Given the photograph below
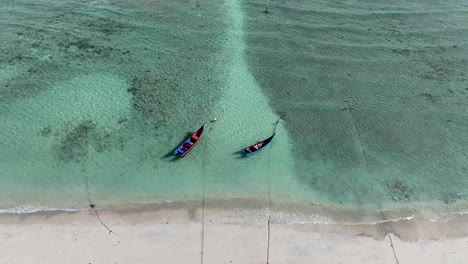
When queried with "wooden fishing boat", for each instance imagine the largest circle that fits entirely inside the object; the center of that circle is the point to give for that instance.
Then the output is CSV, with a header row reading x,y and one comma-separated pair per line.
x,y
250,150
189,143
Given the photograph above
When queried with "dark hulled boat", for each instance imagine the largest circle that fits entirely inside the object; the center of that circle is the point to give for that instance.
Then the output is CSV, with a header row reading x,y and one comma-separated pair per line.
x,y
189,143
250,150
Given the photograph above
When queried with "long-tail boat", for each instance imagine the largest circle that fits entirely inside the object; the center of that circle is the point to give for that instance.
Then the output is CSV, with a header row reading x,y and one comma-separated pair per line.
x,y
189,143
250,150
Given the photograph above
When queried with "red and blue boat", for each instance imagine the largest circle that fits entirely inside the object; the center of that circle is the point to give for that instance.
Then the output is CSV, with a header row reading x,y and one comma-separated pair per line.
x,y
189,143
250,150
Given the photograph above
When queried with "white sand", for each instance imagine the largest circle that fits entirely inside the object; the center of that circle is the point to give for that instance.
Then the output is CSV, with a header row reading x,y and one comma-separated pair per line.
x,y
175,236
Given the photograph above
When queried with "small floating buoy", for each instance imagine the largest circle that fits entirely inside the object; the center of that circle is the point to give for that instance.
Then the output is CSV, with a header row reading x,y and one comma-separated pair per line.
x,y
214,120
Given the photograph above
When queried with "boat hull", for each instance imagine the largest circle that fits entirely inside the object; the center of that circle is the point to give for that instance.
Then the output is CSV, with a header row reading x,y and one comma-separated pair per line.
x,y
255,148
189,143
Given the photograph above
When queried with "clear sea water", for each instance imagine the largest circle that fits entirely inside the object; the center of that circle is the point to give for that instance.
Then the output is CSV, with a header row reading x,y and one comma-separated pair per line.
x,y
372,96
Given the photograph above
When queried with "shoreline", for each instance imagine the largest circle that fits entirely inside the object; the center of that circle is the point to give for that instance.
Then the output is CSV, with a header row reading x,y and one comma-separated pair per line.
x,y
176,235
315,218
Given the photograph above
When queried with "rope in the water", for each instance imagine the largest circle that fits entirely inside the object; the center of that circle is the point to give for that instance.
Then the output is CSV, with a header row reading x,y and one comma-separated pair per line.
x,y
266,8
87,190
203,210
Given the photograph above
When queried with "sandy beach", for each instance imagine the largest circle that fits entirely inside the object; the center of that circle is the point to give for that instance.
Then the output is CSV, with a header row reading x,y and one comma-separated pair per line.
x,y
177,235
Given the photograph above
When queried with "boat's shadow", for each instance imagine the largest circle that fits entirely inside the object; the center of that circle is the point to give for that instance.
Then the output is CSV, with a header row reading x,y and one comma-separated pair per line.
x,y
239,154
170,155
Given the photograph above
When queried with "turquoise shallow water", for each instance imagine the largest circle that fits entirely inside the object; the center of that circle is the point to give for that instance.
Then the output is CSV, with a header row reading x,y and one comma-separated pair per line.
x,y
373,98
374,95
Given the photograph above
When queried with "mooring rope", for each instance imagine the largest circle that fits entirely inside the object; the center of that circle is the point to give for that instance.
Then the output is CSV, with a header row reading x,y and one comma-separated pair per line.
x,y
389,235
203,209
93,206
266,8
269,196
102,223
203,201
